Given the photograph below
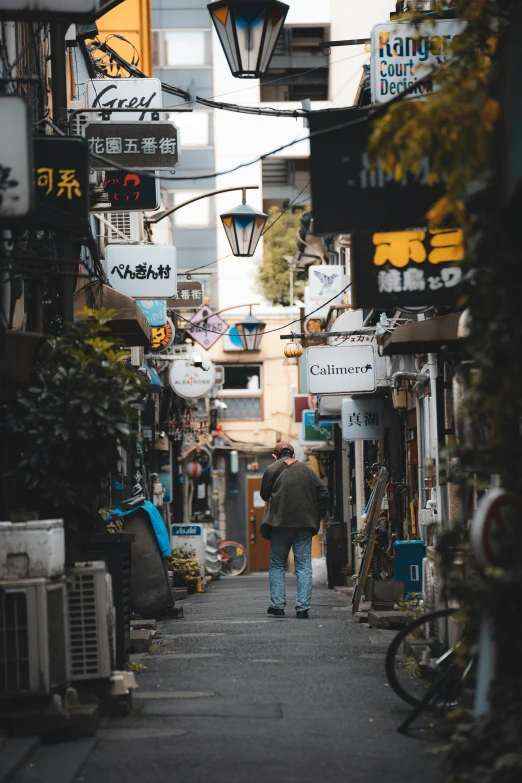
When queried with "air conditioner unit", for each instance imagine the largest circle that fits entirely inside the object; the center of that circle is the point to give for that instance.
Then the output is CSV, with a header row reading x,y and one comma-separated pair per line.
x,y
91,621
33,637
79,121
120,227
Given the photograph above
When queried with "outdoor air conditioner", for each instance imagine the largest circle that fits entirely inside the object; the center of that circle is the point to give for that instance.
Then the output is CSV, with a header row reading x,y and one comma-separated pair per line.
x,y
119,227
91,621
33,637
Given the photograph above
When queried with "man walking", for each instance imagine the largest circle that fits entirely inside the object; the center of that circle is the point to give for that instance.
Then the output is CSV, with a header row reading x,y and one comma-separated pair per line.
x,y
297,501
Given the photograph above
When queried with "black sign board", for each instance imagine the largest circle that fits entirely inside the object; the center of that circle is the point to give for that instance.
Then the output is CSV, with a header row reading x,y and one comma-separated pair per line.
x,y
189,296
347,194
415,268
131,190
61,182
133,145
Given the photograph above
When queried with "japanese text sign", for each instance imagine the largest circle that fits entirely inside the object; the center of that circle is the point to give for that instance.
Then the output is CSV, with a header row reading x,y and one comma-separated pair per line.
x,y
129,191
189,295
206,328
349,194
154,310
142,271
409,268
341,370
61,180
362,419
15,157
133,145
405,54
125,94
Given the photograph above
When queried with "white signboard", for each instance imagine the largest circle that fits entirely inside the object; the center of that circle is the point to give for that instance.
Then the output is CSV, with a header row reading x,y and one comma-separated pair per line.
x,y
15,157
362,419
190,538
142,271
124,94
403,54
191,382
326,282
341,370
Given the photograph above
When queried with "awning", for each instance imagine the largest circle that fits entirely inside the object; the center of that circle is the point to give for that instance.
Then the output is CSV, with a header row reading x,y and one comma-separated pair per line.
x,y
156,384
129,327
425,336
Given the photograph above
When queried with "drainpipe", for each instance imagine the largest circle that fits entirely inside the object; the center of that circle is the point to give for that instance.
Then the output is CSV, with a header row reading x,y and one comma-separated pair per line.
x,y
419,377
434,441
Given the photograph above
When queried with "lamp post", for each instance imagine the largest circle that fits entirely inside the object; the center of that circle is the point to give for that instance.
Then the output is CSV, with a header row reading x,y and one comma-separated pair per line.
x,y
248,31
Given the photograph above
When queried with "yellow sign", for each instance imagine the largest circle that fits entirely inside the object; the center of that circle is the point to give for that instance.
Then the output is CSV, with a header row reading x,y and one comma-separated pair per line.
x,y
161,336
400,247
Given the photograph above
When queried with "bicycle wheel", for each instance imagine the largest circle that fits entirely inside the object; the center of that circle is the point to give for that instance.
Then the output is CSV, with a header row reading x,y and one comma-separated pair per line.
x,y
417,657
234,558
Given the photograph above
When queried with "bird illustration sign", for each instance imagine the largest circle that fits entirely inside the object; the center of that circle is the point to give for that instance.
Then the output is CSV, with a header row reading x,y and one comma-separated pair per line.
x,y
326,282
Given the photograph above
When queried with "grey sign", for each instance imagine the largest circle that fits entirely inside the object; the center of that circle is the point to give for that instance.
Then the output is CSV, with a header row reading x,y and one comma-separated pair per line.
x,y
133,145
362,419
189,296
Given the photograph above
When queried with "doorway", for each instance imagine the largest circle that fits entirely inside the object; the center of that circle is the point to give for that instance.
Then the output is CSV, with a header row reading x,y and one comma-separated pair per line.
x,y
259,547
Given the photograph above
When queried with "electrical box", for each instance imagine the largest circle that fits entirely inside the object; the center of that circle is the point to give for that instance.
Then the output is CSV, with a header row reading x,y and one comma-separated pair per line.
x,y
407,564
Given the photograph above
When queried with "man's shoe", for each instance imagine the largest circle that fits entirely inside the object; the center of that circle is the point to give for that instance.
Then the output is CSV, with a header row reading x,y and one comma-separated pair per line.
x,y
275,611
302,614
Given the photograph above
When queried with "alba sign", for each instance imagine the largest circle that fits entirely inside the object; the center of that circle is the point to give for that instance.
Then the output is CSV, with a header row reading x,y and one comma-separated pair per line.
x,y
341,370
191,382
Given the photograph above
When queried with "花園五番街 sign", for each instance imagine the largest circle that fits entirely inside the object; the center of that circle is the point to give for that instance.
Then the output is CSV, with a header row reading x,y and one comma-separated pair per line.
x,y
340,369
404,55
142,271
189,296
132,145
410,268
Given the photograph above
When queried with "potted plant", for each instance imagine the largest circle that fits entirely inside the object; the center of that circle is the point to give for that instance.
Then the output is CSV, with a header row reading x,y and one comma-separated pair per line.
x,y
185,568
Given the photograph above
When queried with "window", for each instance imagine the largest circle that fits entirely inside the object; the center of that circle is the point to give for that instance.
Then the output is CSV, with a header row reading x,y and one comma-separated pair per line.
x,y
181,48
299,69
196,215
194,128
242,392
284,181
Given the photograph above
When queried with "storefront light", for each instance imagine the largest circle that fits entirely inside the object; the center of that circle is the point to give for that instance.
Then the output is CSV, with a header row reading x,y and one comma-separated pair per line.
x,y
244,226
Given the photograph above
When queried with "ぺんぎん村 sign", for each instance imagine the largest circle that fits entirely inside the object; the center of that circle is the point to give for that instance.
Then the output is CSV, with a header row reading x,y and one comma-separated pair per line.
x,y
404,55
409,268
341,370
142,271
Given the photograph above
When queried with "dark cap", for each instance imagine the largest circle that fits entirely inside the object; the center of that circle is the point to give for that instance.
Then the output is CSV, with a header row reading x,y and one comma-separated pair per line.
x,y
283,448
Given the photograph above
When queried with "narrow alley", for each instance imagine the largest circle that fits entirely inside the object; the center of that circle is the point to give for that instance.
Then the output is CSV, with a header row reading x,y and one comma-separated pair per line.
x,y
233,694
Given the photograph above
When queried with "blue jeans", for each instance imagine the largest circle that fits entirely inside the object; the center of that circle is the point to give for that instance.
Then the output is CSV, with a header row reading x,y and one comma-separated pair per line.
x,y
281,541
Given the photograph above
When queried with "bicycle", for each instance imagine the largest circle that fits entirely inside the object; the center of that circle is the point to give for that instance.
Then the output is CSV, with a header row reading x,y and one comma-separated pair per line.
x,y
234,558
425,666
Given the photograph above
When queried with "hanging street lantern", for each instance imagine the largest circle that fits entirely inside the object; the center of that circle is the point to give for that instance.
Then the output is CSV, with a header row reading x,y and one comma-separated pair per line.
x,y
248,31
243,227
250,332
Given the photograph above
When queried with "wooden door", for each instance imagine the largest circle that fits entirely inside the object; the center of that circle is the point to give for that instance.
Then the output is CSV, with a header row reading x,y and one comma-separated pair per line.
x,y
259,547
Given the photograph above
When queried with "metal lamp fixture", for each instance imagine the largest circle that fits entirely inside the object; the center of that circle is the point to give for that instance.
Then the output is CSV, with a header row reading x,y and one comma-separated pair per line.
x,y
243,227
248,31
250,332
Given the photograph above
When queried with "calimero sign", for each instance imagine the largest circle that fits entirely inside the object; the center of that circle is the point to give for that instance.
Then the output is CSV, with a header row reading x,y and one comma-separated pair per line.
x,y
340,369
414,268
404,54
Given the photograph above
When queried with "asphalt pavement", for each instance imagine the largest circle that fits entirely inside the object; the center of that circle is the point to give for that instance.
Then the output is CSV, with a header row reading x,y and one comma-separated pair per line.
x,y
232,694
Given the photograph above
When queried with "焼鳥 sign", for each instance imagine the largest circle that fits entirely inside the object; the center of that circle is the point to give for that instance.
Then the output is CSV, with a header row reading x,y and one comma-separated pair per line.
x,y
124,94
410,268
142,271
362,419
133,145
206,328
351,195
15,157
61,181
189,296
404,55
129,190
341,370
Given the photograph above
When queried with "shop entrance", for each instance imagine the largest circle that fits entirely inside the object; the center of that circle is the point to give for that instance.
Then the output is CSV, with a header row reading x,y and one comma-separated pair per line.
x,y
258,547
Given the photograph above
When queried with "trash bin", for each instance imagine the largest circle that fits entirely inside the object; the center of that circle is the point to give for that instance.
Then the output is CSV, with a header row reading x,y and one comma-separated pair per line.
x,y
407,564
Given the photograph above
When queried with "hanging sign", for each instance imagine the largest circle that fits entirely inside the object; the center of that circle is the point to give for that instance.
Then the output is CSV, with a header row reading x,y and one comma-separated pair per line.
x,y
350,195
15,158
52,10
403,54
162,337
142,271
154,310
341,370
362,419
407,268
206,328
126,190
191,382
61,181
300,404
133,145
326,282
495,528
124,94
311,433
189,295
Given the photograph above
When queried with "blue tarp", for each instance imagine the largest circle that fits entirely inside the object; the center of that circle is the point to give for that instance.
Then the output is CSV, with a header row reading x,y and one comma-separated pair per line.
x,y
156,520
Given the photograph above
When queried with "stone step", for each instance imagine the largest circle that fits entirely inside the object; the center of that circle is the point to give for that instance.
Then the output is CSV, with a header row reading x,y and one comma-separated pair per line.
x,y
140,641
388,620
